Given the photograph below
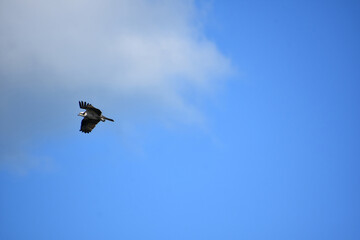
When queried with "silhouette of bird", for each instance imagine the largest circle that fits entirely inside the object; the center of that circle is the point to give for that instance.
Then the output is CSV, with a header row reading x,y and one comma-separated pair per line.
x,y
91,117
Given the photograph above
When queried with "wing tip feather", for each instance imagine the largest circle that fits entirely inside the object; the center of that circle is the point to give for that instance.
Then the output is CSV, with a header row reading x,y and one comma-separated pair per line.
x,y
84,104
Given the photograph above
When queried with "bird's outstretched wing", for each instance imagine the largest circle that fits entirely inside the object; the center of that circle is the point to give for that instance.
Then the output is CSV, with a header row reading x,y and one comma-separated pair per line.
x,y
87,125
88,106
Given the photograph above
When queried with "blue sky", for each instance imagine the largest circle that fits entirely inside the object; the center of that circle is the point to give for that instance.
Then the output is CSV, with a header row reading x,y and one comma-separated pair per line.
x,y
232,120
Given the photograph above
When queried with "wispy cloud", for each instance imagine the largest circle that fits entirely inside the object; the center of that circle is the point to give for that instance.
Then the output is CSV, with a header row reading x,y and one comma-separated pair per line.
x,y
128,52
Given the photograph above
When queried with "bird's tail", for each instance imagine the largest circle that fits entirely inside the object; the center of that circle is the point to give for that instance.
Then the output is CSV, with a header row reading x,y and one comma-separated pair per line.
x,y
109,119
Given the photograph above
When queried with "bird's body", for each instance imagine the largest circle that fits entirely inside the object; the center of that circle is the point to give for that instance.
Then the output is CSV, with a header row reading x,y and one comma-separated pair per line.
x,y
91,117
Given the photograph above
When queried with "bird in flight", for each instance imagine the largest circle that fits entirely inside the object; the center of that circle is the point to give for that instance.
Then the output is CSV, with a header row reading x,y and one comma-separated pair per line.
x,y
91,117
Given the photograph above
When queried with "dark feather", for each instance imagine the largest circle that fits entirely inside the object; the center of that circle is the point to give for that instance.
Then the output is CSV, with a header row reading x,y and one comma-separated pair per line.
x,y
87,125
87,106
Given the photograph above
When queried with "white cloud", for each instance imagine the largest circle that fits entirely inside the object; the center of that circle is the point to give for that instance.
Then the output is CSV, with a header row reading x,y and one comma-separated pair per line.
x,y
125,44
142,52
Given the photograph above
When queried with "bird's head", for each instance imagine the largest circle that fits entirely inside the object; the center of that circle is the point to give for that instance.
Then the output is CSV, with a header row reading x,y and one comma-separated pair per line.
x,y
82,114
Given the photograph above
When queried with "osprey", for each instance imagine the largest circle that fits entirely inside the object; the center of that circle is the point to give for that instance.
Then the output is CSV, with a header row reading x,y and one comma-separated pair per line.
x,y
91,116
